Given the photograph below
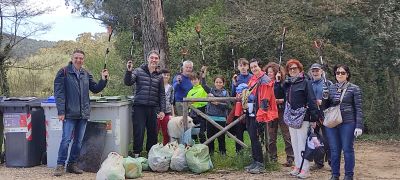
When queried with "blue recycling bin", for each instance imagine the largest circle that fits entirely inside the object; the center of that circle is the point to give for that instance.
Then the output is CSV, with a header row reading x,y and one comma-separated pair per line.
x,y
24,130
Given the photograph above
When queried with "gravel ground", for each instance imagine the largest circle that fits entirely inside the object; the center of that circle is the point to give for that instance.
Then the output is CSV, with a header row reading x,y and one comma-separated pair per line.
x,y
378,160
44,173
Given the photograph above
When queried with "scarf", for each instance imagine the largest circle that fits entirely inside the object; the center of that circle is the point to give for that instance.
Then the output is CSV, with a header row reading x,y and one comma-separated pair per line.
x,y
295,79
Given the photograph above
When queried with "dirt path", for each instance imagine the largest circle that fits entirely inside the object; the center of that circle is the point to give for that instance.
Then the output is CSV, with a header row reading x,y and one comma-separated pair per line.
x,y
374,160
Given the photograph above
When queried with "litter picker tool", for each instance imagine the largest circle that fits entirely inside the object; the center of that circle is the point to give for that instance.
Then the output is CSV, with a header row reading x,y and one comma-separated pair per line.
x,y
198,30
132,44
319,45
184,53
109,31
282,46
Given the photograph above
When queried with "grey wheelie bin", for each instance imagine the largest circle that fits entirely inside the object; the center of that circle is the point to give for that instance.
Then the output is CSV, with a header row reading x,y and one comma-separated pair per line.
x,y
24,130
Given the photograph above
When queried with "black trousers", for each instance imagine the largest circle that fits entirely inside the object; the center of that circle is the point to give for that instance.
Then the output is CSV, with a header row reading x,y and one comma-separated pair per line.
x,y
197,119
238,131
321,129
211,131
144,117
256,148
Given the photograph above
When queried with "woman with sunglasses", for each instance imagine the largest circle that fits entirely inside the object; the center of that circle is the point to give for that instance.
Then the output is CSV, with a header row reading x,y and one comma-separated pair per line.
x,y
300,99
342,136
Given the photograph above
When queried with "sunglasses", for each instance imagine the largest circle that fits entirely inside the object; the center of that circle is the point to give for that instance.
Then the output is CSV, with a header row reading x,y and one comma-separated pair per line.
x,y
341,73
293,68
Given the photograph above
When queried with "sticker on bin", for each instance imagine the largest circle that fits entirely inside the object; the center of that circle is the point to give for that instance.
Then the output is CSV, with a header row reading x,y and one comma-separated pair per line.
x,y
108,125
15,122
55,124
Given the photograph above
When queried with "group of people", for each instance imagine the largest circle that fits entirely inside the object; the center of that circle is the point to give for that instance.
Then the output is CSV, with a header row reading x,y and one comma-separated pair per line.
x,y
273,93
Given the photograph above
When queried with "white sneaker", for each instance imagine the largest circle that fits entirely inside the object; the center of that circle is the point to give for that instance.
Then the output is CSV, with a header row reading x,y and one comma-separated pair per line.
x,y
294,172
303,174
252,115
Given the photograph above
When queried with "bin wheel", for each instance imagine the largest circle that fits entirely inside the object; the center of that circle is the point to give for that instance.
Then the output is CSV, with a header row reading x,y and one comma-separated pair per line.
x,y
44,158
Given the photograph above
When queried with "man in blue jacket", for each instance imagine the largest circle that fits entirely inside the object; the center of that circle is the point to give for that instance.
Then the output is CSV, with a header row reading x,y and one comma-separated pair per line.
x,y
182,84
320,87
71,92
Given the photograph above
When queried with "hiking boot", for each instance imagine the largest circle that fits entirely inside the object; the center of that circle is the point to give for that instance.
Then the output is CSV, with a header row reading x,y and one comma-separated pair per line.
x,y
303,175
258,168
59,170
73,168
251,166
294,172
273,159
289,163
334,177
347,177
316,167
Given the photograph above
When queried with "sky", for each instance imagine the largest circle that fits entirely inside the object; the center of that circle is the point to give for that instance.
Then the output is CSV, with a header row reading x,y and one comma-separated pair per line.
x,y
65,26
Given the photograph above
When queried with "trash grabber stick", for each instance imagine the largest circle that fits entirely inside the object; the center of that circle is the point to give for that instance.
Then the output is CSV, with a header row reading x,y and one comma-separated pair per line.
x,y
109,31
233,59
281,49
198,30
184,52
132,43
318,45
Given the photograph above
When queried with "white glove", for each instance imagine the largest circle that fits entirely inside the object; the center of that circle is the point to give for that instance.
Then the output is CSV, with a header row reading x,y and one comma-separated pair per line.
x,y
357,132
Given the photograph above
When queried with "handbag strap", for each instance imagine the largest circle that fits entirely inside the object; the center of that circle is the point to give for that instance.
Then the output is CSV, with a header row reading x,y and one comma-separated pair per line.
x,y
341,97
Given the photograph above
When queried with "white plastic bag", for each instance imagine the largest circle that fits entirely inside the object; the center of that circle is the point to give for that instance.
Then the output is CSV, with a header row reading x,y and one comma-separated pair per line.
x,y
112,168
160,157
178,160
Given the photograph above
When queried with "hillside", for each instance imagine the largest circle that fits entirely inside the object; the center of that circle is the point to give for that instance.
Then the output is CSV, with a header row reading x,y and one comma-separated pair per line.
x,y
29,47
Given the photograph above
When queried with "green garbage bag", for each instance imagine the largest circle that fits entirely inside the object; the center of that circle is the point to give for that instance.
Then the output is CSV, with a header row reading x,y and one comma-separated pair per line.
x,y
133,168
144,162
198,158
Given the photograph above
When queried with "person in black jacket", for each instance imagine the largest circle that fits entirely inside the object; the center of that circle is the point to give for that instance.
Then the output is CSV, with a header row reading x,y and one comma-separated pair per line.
x,y
342,136
71,92
300,96
149,102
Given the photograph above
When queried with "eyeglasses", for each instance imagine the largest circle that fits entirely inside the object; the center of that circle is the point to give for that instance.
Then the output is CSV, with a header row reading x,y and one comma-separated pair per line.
x,y
293,68
341,73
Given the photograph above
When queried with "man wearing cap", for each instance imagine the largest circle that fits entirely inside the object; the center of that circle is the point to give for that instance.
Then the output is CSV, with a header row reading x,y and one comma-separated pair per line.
x,y
320,87
149,102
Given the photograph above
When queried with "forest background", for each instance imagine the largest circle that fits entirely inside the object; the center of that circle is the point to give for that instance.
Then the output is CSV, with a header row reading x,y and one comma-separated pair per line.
x,y
363,34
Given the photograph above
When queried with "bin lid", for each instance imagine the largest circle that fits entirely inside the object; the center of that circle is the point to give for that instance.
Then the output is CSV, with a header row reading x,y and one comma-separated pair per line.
x,y
21,102
20,99
105,99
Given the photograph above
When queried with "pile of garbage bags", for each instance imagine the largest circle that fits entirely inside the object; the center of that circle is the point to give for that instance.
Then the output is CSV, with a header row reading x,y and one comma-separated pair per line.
x,y
160,159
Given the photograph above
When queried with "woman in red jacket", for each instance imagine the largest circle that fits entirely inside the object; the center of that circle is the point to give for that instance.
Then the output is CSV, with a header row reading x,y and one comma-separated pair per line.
x,y
262,95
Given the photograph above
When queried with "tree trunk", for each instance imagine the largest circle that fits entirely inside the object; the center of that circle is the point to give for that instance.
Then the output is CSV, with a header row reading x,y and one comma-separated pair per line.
x,y
154,30
394,94
4,89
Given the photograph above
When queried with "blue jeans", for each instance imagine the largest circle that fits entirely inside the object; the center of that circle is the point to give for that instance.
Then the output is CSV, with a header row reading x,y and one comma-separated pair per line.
x,y
72,128
341,138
